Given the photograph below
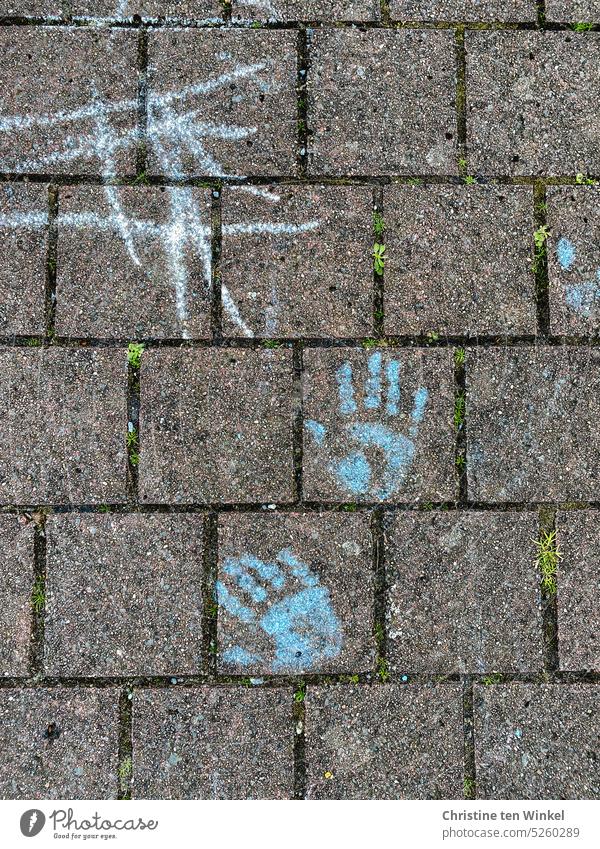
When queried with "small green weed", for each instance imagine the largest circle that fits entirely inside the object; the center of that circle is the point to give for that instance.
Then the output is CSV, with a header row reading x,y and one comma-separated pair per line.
x,y
125,769
415,181
470,180
349,508
271,343
134,354
462,163
382,669
584,180
432,336
581,26
459,357
492,678
374,343
468,788
540,237
379,258
378,224
300,694
459,410
548,555
104,508
38,595
460,463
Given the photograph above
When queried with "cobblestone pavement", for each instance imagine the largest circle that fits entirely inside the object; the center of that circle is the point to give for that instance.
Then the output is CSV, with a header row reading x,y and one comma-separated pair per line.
x,y
300,391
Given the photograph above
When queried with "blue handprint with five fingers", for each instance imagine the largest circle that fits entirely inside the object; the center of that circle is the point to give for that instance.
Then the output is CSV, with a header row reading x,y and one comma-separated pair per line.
x,y
582,298
353,472
284,601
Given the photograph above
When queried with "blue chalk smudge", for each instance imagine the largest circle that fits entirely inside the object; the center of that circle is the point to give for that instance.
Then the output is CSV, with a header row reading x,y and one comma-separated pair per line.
x,y
354,472
393,377
240,656
316,430
232,604
582,298
565,251
373,382
345,389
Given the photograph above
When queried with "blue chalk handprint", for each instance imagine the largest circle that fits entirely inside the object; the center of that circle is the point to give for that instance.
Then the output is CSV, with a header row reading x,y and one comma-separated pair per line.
x,y
353,472
284,601
582,298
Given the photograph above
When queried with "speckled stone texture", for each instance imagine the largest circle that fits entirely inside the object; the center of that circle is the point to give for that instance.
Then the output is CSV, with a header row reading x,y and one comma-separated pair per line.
x,y
306,10
382,102
459,260
463,10
216,425
574,260
16,544
307,581
64,423
531,424
578,597
384,742
533,102
297,262
181,10
242,83
221,743
145,287
537,741
59,743
572,10
124,595
378,425
50,72
23,249
463,593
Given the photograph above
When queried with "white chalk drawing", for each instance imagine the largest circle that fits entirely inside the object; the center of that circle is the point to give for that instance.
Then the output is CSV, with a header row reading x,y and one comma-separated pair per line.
x,y
171,132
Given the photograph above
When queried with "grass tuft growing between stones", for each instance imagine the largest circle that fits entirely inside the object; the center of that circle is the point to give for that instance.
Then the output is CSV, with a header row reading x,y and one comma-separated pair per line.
x,y
134,354
379,258
547,559
540,237
38,595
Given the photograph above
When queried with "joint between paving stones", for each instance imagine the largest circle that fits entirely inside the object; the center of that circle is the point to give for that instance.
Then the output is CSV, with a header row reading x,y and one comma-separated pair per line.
x,y
302,103
470,776
209,580
216,294
460,425
51,260
38,595
132,436
299,731
378,279
548,593
540,260
298,421
142,107
461,101
125,747
540,6
378,531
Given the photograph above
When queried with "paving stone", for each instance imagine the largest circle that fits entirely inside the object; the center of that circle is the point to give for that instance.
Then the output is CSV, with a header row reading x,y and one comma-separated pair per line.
x,y
216,425
180,10
204,744
16,540
306,10
222,102
59,743
532,102
459,260
69,100
378,425
578,597
574,260
537,741
319,237
133,277
382,102
295,593
124,595
23,228
463,10
384,742
18,8
65,419
531,429
463,593
572,10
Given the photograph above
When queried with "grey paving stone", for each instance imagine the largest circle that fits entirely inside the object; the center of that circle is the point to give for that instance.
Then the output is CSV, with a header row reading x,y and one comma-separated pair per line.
x,y
532,102
384,742
222,102
16,540
65,418
531,429
23,231
217,743
298,261
537,741
124,595
181,10
578,597
382,102
378,425
459,260
463,10
19,8
295,593
574,260
572,10
216,425
69,100
59,743
133,276
306,10
463,593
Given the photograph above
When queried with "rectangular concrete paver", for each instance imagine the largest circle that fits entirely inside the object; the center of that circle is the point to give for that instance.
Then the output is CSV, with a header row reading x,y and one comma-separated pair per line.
x,y
578,597
463,10
16,542
295,594
463,593
242,83
533,102
23,253
297,260
382,102
216,425
65,419
305,10
179,10
531,424
59,743
218,743
537,741
69,98
572,10
124,595
378,425
459,260
384,742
